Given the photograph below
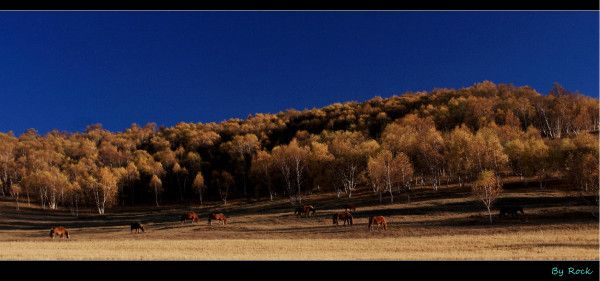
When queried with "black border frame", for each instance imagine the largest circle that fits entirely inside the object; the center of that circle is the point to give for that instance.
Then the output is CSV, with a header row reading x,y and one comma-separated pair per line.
x,y
299,270
311,270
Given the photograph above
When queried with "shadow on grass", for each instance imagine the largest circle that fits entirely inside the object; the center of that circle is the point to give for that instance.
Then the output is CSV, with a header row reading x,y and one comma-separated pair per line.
x,y
167,217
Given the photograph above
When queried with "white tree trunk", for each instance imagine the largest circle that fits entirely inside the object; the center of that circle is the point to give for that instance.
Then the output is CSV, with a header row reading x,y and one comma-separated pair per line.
x,y
52,201
299,179
42,198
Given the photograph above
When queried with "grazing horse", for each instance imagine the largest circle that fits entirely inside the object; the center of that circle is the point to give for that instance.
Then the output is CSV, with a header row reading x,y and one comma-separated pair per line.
x,y
137,226
59,231
511,210
305,211
220,217
350,207
377,220
345,216
298,211
189,216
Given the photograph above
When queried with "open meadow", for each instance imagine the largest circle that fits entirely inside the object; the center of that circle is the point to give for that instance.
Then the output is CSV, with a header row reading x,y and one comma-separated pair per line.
x,y
436,225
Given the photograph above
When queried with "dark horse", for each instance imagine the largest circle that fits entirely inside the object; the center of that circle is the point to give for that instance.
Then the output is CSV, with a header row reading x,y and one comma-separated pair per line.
x,y
350,207
220,217
189,216
137,226
298,211
345,216
511,210
305,211
377,220
59,231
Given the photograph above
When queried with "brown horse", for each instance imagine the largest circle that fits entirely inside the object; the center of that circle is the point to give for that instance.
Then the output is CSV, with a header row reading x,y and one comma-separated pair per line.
x,y
189,216
377,220
345,216
305,211
220,217
350,207
137,226
59,231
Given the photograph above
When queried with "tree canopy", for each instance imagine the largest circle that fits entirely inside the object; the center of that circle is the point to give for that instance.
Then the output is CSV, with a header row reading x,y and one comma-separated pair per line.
x,y
446,135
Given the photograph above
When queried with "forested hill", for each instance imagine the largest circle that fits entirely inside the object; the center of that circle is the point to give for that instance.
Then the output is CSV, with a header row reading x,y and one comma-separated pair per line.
x,y
386,145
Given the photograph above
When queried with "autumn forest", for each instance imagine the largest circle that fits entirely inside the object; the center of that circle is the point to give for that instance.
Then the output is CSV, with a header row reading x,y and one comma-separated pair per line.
x,y
387,146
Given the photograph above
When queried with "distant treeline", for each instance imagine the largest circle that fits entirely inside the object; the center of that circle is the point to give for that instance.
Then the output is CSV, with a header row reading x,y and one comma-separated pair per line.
x,y
387,145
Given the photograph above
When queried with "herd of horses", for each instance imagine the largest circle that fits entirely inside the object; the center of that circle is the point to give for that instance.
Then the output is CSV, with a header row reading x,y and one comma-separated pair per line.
x,y
193,217
303,211
62,232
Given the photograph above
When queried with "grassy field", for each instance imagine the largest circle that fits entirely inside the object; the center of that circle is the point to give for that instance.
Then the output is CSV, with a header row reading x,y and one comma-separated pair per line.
x,y
442,225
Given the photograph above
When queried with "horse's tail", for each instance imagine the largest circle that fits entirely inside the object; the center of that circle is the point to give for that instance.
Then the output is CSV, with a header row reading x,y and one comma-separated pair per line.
x,y
52,233
384,224
370,222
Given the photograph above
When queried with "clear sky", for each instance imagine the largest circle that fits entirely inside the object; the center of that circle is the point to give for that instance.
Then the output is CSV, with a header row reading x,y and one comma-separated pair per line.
x,y
65,70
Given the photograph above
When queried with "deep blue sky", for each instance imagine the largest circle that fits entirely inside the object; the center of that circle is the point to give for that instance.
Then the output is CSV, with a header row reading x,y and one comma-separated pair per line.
x,y
65,70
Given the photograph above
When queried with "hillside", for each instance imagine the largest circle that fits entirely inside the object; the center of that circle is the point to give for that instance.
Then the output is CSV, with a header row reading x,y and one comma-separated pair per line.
x,y
434,139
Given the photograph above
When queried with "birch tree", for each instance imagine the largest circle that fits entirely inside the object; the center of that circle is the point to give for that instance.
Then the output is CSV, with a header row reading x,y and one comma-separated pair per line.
x,y
156,185
262,166
222,181
487,189
351,151
291,161
243,147
198,185
15,191
387,171
106,190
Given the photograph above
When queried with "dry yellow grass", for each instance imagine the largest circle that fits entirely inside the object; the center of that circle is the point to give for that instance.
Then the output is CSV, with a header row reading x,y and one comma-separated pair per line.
x,y
549,245
432,229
